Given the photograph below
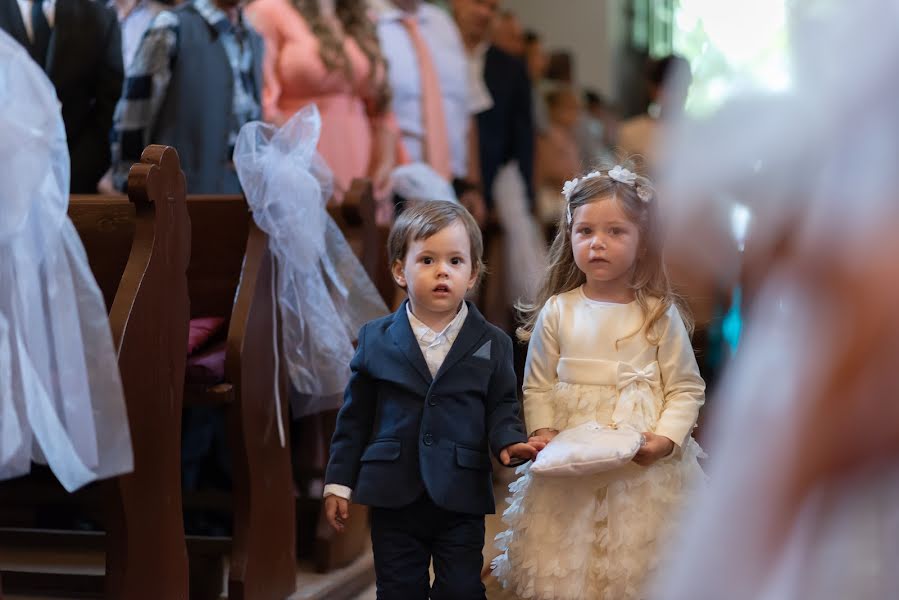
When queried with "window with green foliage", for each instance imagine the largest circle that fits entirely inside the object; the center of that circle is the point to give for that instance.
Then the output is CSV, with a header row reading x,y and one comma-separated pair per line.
x,y
730,44
652,23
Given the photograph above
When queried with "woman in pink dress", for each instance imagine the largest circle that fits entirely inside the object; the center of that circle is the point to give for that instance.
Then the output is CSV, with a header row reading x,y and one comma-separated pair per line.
x,y
326,52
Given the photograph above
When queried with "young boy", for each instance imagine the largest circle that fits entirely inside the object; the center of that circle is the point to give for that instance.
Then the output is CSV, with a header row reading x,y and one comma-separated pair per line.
x,y
432,387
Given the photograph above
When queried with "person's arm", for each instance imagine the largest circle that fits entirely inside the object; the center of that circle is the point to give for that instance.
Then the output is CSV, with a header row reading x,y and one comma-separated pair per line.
x,y
505,429
354,422
146,86
683,387
540,370
469,189
473,154
387,150
335,489
264,19
523,129
108,73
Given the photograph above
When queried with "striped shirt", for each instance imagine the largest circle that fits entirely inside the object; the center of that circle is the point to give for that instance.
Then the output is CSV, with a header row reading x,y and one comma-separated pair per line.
x,y
147,80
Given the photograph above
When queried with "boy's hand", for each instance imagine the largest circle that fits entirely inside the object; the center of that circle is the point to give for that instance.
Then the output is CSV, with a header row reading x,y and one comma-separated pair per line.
x,y
519,450
655,448
337,511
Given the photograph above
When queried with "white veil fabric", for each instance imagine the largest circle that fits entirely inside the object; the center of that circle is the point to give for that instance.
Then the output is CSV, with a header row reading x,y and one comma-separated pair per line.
x,y
323,292
418,181
61,400
524,246
803,500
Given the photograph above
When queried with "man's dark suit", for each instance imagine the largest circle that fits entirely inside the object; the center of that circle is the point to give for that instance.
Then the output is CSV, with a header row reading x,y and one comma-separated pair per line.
x,y
84,62
416,448
506,131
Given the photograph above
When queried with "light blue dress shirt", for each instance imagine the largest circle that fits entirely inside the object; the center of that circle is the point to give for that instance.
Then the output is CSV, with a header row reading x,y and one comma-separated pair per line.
x,y
448,54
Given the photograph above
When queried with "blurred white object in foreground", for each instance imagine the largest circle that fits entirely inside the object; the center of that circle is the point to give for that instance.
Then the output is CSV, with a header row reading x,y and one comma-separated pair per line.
x,y
804,495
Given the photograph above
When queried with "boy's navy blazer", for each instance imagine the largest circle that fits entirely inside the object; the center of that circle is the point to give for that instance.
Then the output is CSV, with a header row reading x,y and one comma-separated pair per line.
x,y
401,432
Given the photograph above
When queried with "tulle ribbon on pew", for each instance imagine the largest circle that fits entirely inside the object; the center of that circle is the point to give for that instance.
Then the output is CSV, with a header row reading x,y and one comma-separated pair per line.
x,y
324,293
61,400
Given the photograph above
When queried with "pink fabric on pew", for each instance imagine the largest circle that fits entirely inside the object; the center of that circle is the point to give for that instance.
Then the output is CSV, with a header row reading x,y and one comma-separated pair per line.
x,y
207,367
201,331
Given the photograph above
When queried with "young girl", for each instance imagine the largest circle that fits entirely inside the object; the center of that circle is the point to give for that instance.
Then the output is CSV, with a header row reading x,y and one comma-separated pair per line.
x,y
605,336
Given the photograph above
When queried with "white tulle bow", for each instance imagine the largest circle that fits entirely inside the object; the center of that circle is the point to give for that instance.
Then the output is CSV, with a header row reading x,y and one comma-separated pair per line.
x,y
323,292
637,402
61,399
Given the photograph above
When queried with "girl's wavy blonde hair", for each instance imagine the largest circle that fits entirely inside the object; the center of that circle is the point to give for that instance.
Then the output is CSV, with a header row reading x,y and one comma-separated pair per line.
x,y
354,18
650,280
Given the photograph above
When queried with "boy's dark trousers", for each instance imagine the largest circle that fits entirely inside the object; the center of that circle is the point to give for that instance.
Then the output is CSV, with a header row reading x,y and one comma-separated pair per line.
x,y
404,541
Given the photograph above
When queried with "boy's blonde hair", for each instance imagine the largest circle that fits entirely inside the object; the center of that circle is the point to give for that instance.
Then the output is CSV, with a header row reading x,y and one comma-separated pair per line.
x,y
650,280
422,219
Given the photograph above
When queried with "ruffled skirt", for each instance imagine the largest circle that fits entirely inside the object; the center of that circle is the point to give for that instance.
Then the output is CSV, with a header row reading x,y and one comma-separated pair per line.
x,y
596,537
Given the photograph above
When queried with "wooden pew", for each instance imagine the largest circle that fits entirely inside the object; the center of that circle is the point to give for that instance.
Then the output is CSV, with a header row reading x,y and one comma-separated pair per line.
x,y
138,251
230,260
230,275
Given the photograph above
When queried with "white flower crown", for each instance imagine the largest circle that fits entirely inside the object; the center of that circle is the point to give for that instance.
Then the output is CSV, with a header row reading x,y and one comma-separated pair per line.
x,y
618,173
